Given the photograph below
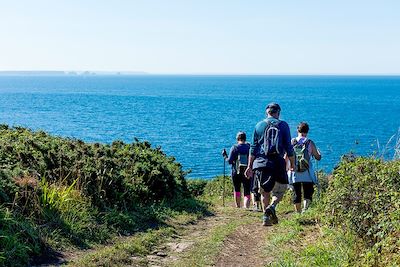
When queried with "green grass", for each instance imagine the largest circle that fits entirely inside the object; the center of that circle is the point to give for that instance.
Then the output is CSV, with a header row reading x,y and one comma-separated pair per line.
x,y
206,249
13,230
121,254
300,241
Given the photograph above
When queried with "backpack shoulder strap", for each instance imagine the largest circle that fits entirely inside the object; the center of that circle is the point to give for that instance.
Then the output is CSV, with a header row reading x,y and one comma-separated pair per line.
x,y
307,142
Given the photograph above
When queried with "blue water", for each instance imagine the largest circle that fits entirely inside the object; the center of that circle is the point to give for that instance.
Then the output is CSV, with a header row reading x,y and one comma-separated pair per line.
x,y
194,117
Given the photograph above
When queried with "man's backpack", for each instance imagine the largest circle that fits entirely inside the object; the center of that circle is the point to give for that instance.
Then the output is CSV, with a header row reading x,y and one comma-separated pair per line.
x,y
271,138
302,155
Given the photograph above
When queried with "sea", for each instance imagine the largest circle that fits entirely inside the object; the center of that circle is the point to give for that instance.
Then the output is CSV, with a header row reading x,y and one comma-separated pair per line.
x,y
194,117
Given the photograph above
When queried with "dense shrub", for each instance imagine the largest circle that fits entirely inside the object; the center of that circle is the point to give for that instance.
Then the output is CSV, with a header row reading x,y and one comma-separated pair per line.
x,y
57,192
8,188
196,186
118,174
364,196
323,180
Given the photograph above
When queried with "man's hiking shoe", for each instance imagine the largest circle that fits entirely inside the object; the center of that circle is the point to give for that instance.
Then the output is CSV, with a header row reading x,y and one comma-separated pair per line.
x,y
270,212
266,221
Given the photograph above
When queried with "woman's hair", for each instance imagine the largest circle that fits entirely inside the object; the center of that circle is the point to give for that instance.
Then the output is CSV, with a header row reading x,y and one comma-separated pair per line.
x,y
241,136
303,127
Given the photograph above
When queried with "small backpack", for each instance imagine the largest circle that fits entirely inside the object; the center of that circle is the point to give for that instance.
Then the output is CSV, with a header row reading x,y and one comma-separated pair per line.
x,y
302,155
271,138
242,162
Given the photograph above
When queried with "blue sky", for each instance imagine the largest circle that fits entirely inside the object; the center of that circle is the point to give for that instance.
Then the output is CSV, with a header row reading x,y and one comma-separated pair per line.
x,y
258,37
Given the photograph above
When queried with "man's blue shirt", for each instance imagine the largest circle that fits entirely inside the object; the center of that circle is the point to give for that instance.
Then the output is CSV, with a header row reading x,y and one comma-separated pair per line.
x,y
257,146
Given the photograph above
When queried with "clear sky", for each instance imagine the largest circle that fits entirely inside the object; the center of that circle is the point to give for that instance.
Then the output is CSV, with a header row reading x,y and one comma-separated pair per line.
x,y
202,36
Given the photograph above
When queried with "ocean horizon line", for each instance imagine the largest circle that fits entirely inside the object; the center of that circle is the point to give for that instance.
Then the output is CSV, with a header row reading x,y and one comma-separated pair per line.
x,y
144,73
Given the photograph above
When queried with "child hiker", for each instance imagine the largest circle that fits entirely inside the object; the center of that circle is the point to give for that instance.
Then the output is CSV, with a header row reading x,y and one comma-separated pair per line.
x,y
238,158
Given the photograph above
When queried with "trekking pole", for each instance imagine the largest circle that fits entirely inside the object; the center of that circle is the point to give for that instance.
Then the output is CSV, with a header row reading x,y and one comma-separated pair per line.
x,y
223,186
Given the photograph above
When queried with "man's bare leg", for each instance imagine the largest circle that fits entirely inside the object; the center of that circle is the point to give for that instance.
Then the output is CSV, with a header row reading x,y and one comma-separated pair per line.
x,y
265,199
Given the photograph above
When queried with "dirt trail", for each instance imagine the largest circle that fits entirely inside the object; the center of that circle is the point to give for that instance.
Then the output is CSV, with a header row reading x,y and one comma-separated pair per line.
x,y
170,252
244,247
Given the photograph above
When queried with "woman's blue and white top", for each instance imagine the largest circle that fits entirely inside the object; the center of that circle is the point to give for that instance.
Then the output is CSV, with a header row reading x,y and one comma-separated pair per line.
x,y
306,176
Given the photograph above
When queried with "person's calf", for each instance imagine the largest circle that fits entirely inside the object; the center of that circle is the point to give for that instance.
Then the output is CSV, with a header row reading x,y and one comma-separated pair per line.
x,y
306,204
237,196
274,202
265,200
278,193
246,201
297,207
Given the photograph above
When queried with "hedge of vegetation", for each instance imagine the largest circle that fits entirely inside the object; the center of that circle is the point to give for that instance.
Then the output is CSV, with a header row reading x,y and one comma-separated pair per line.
x,y
56,192
360,201
364,198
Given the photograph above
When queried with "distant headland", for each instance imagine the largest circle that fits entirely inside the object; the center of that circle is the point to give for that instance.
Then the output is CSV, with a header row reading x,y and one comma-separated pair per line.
x,y
68,73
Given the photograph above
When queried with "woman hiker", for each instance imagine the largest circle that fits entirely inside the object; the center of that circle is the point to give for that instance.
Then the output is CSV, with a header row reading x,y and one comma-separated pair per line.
x,y
303,177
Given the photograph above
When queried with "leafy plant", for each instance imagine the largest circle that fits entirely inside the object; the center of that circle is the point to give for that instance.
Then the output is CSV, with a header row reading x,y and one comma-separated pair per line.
x,y
57,192
196,186
364,196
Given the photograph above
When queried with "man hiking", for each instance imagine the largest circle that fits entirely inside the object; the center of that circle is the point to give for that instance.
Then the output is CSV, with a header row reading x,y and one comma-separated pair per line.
x,y
238,158
271,141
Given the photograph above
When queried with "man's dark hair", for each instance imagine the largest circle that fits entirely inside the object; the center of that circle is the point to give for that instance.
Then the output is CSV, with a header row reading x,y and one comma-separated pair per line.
x,y
303,127
273,108
241,136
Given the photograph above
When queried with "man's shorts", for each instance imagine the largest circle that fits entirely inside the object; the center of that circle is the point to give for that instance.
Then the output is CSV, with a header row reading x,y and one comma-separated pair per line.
x,y
263,180
279,191
275,171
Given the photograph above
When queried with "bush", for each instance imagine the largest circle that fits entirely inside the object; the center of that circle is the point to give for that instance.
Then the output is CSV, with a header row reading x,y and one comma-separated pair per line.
x,y
118,174
364,196
196,186
323,179
59,192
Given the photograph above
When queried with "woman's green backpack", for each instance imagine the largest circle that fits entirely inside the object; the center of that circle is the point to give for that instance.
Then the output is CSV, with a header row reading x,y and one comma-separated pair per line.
x,y
302,155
